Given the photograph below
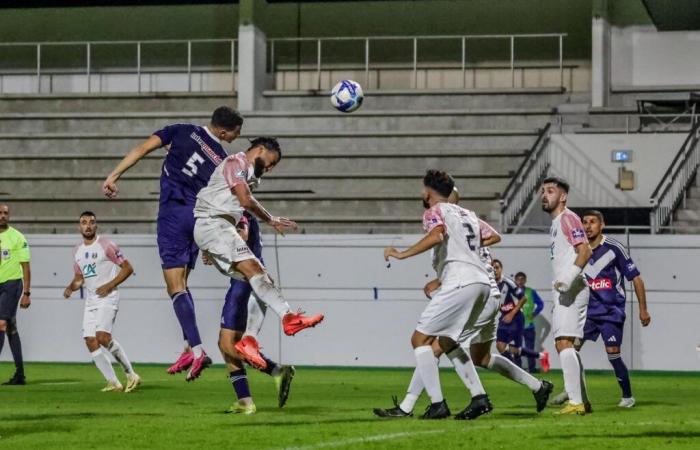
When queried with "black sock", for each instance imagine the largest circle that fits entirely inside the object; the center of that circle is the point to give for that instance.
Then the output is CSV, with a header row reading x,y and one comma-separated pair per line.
x,y
2,340
16,347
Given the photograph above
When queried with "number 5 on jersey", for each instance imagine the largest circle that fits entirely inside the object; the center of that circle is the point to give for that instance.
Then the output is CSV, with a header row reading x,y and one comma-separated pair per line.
x,y
191,169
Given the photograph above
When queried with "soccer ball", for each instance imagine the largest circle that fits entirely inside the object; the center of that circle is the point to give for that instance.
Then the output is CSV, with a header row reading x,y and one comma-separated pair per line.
x,y
347,96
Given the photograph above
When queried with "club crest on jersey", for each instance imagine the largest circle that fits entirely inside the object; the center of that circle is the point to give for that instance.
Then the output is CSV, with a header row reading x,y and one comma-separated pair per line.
x,y
600,284
577,233
631,266
94,255
241,173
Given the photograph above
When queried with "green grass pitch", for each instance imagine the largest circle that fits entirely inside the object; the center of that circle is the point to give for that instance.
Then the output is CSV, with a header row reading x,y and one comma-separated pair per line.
x,y
62,407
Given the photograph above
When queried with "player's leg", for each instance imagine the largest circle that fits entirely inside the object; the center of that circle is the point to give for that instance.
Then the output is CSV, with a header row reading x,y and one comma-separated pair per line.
x,y
529,345
591,331
236,370
427,368
178,254
10,293
105,320
569,318
612,333
98,354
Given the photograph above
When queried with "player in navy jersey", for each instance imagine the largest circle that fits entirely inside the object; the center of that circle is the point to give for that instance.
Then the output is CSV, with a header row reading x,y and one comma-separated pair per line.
x,y
606,268
193,153
509,336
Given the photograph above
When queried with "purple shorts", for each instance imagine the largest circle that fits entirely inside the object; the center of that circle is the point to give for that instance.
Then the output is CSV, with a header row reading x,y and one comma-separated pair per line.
x,y
175,235
610,331
511,333
234,315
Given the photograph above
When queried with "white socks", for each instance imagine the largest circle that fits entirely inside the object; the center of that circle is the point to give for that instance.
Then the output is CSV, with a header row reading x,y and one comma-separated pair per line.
x,y
118,352
415,389
256,316
198,350
573,375
104,365
428,371
464,366
505,367
267,292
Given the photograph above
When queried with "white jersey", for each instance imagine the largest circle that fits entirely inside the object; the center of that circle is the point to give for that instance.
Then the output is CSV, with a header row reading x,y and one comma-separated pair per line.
x,y
98,263
485,255
565,234
216,199
456,259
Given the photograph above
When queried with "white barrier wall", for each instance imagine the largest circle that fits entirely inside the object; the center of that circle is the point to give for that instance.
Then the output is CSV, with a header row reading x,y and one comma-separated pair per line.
x,y
370,309
642,56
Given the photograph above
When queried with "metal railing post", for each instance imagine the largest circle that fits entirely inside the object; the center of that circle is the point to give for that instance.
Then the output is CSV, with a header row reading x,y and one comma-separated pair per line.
x,y
233,65
415,63
318,64
464,62
38,68
367,63
189,66
87,66
561,61
138,65
512,61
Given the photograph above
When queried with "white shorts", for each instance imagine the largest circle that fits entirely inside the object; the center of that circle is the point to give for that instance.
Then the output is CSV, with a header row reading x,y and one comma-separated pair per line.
x,y
99,319
484,328
220,241
570,308
451,310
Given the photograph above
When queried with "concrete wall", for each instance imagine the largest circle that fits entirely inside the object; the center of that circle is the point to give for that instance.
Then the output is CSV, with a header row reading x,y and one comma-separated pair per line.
x,y
642,56
585,160
370,309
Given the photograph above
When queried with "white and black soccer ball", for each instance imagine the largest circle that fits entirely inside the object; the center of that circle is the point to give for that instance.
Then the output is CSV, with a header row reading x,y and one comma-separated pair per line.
x,y
347,96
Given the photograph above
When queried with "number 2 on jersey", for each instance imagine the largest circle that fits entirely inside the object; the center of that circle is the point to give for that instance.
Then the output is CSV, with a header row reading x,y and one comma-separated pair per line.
x,y
191,169
470,236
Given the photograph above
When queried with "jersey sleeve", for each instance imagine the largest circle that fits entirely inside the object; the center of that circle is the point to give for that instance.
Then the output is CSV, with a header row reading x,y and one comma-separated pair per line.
x,y
23,252
486,230
624,263
235,171
432,218
572,228
112,252
167,133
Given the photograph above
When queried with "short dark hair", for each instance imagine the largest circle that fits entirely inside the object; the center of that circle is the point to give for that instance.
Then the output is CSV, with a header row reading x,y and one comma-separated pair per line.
x,y
439,181
496,260
226,118
87,214
520,274
269,143
560,182
594,213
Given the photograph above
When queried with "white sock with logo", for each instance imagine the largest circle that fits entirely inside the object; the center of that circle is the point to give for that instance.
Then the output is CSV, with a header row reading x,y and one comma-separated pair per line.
x,y
104,365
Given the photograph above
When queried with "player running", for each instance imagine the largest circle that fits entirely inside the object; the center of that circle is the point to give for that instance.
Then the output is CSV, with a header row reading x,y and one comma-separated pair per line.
x,y
606,310
241,320
100,267
569,254
478,339
457,234
193,153
220,206
509,337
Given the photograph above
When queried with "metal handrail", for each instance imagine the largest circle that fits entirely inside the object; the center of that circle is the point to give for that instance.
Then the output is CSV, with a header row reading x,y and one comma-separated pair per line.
x,y
525,182
88,69
414,39
676,181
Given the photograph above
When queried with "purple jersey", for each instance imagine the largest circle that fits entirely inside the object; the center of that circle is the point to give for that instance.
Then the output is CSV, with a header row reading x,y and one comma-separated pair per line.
x,y
510,295
604,272
193,155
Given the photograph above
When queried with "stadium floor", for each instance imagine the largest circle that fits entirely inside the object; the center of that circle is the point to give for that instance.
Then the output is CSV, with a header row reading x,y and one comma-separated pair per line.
x,y
62,407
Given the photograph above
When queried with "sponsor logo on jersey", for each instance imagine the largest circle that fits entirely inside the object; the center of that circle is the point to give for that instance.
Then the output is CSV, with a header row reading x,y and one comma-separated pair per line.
x,y
242,250
631,266
577,233
600,284
211,154
90,270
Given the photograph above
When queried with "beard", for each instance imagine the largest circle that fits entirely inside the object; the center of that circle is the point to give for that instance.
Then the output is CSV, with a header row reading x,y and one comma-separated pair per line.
x,y
89,235
258,167
426,205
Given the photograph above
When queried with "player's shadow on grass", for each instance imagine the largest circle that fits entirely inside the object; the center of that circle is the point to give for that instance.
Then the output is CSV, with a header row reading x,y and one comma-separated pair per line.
x,y
74,415
641,434
303,423
22,429
52,381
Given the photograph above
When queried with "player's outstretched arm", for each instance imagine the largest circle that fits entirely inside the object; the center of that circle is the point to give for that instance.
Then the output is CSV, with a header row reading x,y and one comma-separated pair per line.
x,y
430,240
74,285
641,292
124,273
249,203
109,187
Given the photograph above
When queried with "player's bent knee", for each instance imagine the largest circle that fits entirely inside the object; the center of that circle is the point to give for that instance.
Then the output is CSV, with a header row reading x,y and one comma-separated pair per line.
x,y
612,350
91,343
3,325
249,268
103,338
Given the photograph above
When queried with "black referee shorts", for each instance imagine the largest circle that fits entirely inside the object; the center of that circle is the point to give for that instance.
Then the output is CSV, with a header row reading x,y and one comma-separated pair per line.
x,y
10,293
